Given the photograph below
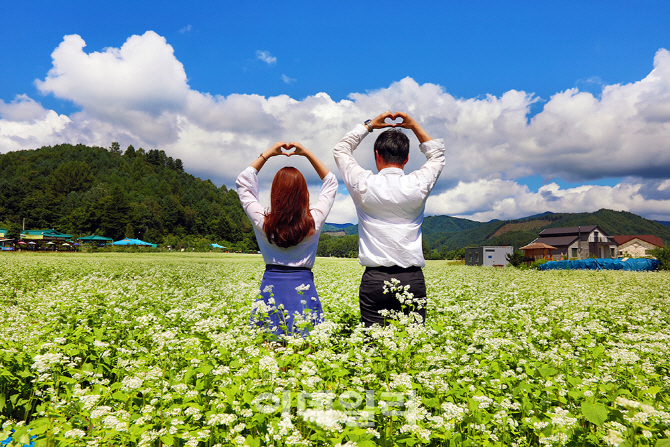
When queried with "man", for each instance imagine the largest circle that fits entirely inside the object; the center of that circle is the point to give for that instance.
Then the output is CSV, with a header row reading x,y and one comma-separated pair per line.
x,y
390,208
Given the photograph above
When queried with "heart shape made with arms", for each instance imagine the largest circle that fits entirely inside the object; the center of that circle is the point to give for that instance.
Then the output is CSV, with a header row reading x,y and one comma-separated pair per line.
x,y
288,150
396,120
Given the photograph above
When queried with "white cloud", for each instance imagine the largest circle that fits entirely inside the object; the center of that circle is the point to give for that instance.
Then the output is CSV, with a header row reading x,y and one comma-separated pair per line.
x,y
185,30
485,200
22,108
139,94
266,57
286,79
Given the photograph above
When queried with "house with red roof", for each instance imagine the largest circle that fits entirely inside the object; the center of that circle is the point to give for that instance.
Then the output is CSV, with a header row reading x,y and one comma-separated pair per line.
x,y
637,246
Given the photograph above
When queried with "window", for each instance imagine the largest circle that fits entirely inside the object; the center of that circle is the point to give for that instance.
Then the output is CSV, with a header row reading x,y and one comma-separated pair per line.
x,y
611,252
574,252
476,257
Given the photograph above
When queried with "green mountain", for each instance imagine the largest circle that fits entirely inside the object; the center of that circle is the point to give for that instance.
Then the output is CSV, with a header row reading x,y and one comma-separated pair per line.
x,y
520,232
347,229
82,190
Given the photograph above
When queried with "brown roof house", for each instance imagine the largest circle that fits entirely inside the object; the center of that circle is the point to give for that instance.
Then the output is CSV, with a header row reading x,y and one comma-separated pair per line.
x,y
538,250
580,242
637,246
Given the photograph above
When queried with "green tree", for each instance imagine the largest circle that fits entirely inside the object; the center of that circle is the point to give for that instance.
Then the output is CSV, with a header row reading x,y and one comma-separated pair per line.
x,y
115,214
129,233
663,255
71,176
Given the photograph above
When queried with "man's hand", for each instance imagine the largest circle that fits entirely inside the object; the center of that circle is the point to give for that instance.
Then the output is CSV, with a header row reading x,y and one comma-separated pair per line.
x,y
380,121
409,123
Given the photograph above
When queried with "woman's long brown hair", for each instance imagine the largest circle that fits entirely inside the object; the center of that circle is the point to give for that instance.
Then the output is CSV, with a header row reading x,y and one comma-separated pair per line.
x,y
289,221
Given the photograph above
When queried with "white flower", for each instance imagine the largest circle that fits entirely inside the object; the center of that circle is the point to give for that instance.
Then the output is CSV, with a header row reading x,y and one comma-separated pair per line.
x,y
613,438
74,433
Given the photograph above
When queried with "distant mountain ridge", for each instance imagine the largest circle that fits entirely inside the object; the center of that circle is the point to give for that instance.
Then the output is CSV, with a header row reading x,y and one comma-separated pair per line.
x,y
334,229
450,233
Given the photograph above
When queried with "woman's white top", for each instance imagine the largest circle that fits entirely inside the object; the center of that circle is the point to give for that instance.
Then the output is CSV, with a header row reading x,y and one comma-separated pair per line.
x,y
303,254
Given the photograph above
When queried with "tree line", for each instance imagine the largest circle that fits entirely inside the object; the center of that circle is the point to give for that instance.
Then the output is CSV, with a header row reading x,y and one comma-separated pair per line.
x,y
82,190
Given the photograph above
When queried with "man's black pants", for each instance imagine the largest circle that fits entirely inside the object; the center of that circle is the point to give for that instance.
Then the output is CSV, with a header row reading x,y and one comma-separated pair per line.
x,y
373,299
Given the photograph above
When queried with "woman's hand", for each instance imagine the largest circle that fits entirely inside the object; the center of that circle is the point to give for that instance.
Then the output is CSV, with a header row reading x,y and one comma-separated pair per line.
x,y
299,149
276,149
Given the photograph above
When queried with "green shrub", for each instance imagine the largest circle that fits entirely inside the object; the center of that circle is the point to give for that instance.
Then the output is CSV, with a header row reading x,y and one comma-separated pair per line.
x,y
663,255
536,264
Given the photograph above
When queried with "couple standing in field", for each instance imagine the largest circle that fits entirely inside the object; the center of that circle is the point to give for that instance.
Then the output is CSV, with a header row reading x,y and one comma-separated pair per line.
x,y
389,205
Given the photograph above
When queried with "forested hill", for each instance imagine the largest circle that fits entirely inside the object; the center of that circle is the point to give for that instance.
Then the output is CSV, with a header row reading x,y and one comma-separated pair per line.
x,y
82,190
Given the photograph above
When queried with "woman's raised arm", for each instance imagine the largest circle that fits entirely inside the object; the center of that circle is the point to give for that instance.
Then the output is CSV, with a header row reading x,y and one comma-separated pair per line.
x,y
317,164
275,150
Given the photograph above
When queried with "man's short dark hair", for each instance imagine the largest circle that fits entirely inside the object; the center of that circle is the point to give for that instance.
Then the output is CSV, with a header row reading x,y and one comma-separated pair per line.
x,y
392,146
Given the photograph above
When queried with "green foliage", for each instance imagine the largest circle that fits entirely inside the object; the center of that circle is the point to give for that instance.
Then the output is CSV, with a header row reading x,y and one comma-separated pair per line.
x,y
338,246
516,259
535,264
663,255
83,190
137,349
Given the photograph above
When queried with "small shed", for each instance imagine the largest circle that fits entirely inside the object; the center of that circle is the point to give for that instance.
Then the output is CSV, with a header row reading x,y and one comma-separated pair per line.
x,y
490,256
539,250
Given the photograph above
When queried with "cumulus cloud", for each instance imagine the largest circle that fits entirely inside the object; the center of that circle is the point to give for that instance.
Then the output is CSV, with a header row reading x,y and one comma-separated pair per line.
x,y
139,94
485,200
22,108
266,57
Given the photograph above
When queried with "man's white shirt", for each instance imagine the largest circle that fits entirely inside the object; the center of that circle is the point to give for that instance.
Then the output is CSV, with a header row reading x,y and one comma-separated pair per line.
x,y
389,204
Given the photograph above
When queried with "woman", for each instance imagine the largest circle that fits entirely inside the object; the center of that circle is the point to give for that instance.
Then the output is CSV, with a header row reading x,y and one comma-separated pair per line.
x,y
288,236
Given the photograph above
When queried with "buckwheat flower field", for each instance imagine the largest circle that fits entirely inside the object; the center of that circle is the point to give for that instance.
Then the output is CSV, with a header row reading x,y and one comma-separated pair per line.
x,y
157,350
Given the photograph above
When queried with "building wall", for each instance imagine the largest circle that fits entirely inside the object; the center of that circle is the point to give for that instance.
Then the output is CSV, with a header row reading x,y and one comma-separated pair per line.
x,y
488,255
474,256
636,248
496,256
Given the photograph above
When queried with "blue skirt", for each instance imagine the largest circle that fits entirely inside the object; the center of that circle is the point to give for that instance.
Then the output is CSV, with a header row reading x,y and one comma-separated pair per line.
x,y
289,303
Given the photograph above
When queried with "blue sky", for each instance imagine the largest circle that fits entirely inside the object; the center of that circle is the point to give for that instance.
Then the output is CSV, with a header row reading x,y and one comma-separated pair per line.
x,y
544,106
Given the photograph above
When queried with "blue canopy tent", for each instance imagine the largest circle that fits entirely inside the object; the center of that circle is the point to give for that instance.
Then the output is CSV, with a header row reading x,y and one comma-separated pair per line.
x,y
128,241
215,245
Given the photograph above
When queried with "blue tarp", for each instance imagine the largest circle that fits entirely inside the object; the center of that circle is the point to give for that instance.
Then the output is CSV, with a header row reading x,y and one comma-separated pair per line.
x,y
9,441
636,265
215,245
128,241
